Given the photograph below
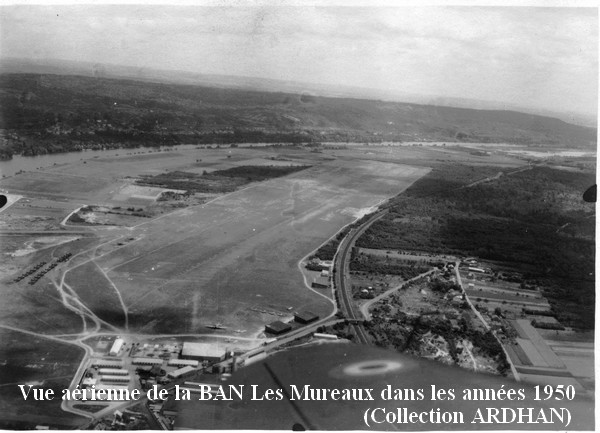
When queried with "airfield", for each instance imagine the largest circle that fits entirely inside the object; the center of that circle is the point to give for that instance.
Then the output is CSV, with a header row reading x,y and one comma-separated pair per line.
x,y
210,263
216,267
230,259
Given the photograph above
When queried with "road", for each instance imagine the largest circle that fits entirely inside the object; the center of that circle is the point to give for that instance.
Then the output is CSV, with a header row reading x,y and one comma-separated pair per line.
x,y
485,324
364,308
498,176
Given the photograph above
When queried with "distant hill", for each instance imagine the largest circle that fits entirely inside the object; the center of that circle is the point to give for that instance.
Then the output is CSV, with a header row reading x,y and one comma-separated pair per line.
x,y
104,70
52,113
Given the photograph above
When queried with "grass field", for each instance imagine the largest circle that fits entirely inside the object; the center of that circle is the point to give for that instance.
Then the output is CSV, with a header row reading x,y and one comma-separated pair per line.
x,y
219,261
37,307
38,361
211,263
95,291
539,359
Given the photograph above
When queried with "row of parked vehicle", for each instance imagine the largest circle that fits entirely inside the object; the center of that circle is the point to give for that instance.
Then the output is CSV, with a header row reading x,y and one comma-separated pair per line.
x,y
29,272
65,257
36,277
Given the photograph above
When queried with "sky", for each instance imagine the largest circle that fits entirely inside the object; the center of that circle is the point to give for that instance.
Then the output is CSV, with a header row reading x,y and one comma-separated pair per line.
x,y
530,56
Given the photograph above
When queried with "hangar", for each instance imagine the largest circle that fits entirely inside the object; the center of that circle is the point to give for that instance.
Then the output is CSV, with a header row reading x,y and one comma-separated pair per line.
x,y
278,327
305,317
212,352
320,283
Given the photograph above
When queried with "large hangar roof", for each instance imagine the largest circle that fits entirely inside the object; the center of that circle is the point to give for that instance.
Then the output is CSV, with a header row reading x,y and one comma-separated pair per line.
x,y
208,350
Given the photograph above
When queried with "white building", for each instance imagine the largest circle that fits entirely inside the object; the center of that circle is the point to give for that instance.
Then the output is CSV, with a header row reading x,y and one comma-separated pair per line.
x,y
116,347
182,363
88,382
325,336
203,351
113,372
147,361
479,270
110,378
181,372
108,363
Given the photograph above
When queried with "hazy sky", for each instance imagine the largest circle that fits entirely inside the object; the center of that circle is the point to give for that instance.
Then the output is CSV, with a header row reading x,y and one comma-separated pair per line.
x,y
540,57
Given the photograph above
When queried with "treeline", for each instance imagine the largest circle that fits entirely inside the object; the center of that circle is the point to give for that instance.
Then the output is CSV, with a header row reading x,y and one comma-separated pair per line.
x,y
516,219
255,173
217,182
42,143
383,265
327,251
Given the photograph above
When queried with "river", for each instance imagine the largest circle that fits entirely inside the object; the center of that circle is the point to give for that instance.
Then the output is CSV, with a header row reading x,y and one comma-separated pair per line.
x,y
30,163
12,166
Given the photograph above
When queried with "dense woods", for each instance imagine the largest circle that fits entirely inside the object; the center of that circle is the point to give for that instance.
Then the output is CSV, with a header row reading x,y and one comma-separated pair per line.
x,y
535,219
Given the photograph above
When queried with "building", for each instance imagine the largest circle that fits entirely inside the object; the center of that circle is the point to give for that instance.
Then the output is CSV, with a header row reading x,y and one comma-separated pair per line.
x,y
278,327
320,265
110,378
198,387
320,283
212,352
116,347
183,362
325,336
458,300
327,263
113,372
180,372
88,382
305,317
147,361
478,270
107,363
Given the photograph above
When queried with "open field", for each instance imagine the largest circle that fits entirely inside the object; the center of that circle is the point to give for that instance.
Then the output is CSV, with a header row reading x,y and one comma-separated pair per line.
x,y
424,155
96,292
38,307
26,359
210,263
200,264
541,360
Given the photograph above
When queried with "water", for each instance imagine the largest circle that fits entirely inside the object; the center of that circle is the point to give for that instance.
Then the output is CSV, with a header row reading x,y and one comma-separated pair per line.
x,y
32,163
562,153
